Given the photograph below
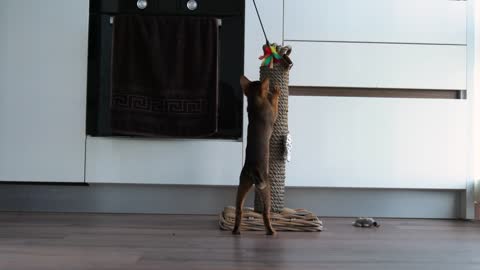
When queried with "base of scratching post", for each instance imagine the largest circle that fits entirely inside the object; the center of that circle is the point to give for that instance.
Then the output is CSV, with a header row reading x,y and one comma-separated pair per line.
x,y
293,220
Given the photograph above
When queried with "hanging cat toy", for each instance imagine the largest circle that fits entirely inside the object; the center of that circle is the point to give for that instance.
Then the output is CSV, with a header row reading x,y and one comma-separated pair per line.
x,y
273,53
276,65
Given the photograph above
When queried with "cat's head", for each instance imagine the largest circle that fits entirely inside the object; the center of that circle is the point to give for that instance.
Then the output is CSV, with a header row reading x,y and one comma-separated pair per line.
x,y
259,97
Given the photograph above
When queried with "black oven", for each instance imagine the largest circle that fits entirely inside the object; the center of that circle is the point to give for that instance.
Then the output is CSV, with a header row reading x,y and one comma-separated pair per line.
x,y
225,104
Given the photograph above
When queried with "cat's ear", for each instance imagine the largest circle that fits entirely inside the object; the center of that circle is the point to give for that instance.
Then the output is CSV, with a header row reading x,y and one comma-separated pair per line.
x,y
265,87
244,83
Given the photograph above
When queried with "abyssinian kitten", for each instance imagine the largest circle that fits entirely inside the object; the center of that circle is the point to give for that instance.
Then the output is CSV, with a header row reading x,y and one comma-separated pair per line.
x,y
262,112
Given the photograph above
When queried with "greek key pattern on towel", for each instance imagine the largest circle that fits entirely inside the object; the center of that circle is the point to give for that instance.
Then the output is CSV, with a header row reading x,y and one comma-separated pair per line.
x,y
160,105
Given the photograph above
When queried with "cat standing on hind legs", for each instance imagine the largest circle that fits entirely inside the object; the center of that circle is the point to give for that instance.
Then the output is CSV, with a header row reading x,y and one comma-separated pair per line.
x,y
262,112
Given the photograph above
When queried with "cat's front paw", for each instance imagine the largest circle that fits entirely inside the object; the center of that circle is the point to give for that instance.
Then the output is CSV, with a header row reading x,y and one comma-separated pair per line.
x,y
276,91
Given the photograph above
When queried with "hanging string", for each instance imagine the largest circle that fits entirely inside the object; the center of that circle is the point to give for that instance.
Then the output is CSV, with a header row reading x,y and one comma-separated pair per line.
x,y
261,24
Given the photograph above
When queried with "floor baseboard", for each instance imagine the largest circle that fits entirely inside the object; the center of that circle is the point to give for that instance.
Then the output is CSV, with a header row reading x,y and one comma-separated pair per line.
x,y
325,202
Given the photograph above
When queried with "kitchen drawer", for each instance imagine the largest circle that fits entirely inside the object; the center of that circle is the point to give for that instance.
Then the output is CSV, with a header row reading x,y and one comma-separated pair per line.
x,y
395,21
378,65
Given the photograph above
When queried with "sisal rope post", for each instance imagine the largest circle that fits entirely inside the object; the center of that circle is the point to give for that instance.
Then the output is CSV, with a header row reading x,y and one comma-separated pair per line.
x,y
278,74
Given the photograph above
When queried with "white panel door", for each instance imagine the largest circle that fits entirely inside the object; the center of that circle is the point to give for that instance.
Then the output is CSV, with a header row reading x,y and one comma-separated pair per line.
x,y
378,143
378,65
405,21
43,90
150,161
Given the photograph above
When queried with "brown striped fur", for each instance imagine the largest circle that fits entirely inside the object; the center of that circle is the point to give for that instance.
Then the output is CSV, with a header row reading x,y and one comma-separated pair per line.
x,y
262,113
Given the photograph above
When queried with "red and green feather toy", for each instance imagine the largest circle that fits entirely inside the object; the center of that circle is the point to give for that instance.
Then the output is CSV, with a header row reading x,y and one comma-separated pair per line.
x,y
270,55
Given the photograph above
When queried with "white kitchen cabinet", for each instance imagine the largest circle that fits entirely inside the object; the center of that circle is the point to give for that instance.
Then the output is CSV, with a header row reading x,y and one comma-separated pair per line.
x,y
43,70
178,161
167,161
391,21
379,65
378,143
338,142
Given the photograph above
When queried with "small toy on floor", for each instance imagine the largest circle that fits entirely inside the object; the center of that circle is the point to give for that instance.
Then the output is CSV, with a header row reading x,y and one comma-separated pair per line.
x,y
365,222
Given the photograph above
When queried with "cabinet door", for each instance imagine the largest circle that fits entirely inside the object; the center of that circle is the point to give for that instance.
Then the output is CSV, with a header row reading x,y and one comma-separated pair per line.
x,y
392,21
378,143
379,65
168,161
43,90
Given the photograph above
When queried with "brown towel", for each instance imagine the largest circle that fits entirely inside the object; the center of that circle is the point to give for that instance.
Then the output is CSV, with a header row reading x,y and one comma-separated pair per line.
x,y
164,76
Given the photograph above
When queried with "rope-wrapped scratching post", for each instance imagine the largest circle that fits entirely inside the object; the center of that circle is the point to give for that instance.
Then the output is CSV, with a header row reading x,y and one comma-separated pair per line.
x,y
276,66
278,73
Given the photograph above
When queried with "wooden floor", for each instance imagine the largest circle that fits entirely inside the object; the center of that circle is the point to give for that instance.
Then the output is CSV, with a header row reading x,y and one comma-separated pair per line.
x,y
93,241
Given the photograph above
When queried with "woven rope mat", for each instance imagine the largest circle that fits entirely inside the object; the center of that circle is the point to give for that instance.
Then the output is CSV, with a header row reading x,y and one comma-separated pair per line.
x,y
293,220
